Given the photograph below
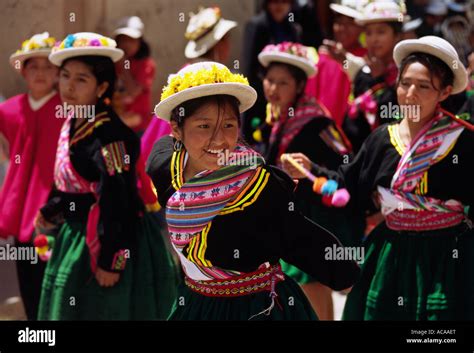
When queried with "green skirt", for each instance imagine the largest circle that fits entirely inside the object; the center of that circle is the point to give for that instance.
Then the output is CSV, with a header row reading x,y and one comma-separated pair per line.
x,y
146,289
415,276
291,304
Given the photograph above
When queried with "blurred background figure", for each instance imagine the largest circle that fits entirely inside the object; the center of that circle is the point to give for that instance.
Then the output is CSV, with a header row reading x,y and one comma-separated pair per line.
x,y
30,128
315,20
209,36
136,72
374,84
435,13
410,27
272,25
331,67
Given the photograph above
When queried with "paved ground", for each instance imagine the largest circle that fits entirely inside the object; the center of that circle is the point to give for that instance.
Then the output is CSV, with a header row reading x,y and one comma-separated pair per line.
x,y
11,307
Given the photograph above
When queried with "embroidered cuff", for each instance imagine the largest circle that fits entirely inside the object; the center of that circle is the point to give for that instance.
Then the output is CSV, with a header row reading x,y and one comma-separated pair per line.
x,y
115,157
120,259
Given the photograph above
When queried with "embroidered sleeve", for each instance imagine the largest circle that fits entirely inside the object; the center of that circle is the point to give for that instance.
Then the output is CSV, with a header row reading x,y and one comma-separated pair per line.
x,y
115,158
118,203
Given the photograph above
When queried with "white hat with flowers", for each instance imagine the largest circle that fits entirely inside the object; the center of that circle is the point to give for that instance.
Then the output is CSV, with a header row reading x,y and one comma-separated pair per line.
x,y
85,43
205,29
382,11
39,45
290,53
202,79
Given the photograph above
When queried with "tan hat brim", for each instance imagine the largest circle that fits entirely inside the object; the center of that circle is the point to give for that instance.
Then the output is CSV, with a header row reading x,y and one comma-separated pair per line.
x,y
269,57
366,21
129,32
21,57
59,56
345,10
195,49
245,94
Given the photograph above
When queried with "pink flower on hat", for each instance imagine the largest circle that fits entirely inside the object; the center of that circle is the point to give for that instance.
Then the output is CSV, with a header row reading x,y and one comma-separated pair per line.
x,y
95,43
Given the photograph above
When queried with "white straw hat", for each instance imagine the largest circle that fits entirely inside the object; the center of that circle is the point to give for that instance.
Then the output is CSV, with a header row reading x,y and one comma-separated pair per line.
x,y
290,53
39,45
205,29
85,43
347,8
203,79
130,26
382,11
436,8
439,48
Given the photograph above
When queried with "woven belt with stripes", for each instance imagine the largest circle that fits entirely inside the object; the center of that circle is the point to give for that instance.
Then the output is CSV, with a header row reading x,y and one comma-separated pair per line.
x,y
264,279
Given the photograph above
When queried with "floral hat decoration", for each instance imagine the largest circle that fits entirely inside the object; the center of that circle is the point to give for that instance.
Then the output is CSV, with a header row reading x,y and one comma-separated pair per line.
x,y
85,43
205,29
290,53
202,79
382,11
37,46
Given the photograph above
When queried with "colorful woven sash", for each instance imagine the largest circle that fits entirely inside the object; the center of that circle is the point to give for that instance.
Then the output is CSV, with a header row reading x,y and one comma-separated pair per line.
x,y
431,142
402,208
200,199
67,179
192,208
307,109
264,279
408,211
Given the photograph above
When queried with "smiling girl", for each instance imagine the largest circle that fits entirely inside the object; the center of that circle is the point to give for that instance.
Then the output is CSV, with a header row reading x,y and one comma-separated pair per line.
x,y
230,223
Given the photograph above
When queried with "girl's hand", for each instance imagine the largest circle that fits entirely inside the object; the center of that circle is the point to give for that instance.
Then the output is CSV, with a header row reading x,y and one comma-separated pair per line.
x,y
41,224
105,278
294,172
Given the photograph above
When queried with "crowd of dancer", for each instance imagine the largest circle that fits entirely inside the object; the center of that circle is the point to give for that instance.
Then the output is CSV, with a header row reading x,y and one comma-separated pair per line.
x,y
337,160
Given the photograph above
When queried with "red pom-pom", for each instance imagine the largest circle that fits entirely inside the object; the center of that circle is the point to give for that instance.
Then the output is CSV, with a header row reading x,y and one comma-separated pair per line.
x,y
40,241
327,200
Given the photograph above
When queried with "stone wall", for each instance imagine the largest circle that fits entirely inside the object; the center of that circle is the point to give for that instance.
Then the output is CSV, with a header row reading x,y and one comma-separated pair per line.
x,y
19,19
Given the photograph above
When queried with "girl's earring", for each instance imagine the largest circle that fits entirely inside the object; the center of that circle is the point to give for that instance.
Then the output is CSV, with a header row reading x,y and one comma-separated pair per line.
x,y
178,145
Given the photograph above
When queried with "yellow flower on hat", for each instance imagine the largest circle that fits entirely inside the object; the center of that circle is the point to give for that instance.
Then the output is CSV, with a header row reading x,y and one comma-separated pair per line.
x,y
38,41
81,42
178,83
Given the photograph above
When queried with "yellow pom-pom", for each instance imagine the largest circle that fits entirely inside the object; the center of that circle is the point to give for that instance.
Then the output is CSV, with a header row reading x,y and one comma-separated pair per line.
x,y
318,184
257,135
